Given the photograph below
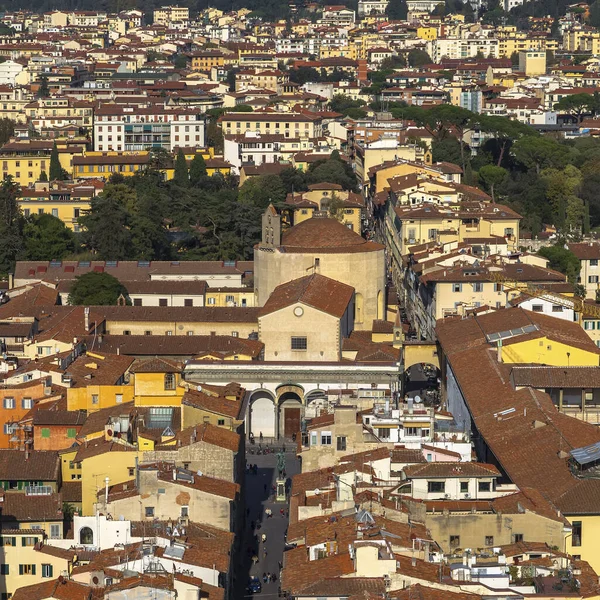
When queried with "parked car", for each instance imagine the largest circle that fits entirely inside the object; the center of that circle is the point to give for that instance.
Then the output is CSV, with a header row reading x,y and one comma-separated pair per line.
x,y
254,585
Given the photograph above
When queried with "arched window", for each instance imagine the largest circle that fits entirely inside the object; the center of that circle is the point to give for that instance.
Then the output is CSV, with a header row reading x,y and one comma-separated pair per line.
x,y
86,536
169,381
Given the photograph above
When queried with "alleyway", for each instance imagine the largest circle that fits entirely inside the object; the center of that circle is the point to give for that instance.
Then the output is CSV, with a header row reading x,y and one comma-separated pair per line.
x,y
258,499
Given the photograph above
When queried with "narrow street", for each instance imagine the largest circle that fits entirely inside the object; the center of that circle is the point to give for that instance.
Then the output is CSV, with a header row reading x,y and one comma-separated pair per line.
x,y
259,497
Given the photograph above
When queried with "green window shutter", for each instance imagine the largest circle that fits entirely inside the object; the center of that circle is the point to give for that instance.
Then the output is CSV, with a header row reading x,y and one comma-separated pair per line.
x,y
20,569
33,569
14,542
19,485
71,432
50,571
45,432
22,541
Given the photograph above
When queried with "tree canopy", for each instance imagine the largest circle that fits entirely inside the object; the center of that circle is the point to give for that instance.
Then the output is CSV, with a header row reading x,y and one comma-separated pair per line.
x,y
47,237
96,289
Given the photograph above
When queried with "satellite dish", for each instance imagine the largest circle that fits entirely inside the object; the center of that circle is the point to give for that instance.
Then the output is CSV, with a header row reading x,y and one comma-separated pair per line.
x,y
317,491
199,388
121,517
418,399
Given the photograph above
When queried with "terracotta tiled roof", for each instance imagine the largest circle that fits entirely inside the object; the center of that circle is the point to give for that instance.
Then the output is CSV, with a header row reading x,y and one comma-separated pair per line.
x,y
317,291
421,592
586,251
23,508
59,590
323,232
37,465
451,469
217,404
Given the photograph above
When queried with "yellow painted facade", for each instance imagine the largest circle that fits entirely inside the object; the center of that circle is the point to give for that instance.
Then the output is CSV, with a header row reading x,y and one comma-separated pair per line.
x,y
192,416
68,212
427,33
548,352
155,389
227,296
26,169
118,466
96,397
70,470
590,534
25,563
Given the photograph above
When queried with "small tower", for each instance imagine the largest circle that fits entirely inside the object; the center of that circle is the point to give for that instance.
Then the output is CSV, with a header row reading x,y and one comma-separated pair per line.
x,y
271,228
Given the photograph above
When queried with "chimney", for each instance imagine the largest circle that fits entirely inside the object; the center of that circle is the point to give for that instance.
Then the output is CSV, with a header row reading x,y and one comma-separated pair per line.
x,y
86,318
499,346
118,350
106,480
174,474
26,451
11,281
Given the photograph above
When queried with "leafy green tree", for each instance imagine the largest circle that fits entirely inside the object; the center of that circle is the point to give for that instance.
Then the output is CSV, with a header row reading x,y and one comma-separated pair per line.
x,y
562,259
418,58
447,150
43,176
293,180
160,159
562,191
334,170
7,130
181,61
245,108
181,176
540,152
44,89
56,170
492,176
576,105
107,225
397,10
262,191
341,103
11,225
198,170
504,131
96,289
594,18
46,238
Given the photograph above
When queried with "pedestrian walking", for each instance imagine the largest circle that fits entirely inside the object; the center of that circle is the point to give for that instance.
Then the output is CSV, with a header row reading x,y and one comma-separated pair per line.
x,y
282,512
265,578
263,537
254,559
268,577
280,565
269,513
273,578
265,552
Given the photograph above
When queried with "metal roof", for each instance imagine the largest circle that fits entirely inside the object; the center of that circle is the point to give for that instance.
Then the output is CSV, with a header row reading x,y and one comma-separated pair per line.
x,y
587,454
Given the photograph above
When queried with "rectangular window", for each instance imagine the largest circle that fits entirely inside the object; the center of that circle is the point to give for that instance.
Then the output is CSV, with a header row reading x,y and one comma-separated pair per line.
x,y
185,511
464,487
137,301
211,301
45,432
221,422
94,398
26,569
557,308
489,540
593,262
412,431
4,569
517,537
188,302
299,343
163,302
47,571
593,279
537,308
454,541
577,533
457,287
325,438
27,403
55,212
71,432
29,541
9,541
149,511
131,471
478,287
589,325
341,442
436,487
484,486
383,433
55,531
9,403
497,287
118,398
